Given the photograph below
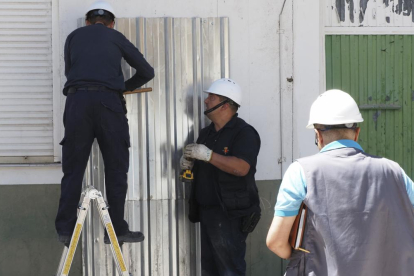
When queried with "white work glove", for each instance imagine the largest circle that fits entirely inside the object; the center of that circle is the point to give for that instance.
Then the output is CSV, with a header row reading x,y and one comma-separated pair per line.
x,y
186,164
198,151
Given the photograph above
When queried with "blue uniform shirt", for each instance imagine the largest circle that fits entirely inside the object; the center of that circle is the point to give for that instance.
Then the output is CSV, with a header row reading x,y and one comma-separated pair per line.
x,y
293,188
93,57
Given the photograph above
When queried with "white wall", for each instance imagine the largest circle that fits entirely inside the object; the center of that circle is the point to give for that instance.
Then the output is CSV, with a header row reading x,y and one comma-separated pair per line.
x,y
254,60
308,54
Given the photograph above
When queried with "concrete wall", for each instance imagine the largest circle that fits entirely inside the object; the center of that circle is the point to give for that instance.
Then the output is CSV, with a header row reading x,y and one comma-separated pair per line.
x,y
29,242
308,72
259,259
28,239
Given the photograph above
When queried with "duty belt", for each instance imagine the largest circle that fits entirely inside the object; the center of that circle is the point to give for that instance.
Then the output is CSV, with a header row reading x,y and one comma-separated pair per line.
x,y
91,88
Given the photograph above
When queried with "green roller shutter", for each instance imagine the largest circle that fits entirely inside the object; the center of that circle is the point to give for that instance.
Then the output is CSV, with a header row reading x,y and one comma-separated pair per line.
x,y
377,70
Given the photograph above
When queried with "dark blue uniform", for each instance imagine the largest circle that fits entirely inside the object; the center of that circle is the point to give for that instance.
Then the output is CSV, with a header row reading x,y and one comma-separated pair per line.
x,y
221,201
94,110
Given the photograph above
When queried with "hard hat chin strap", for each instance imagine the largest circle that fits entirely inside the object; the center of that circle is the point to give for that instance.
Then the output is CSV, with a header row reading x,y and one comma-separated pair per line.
x,y
215,107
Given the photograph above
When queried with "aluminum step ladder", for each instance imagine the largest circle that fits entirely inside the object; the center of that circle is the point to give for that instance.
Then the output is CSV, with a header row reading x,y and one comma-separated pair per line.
x,y
90,193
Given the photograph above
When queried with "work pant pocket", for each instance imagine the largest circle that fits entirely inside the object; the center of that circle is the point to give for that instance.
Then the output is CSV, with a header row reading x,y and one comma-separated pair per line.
x,y
112,116
236,200
124,158
68,156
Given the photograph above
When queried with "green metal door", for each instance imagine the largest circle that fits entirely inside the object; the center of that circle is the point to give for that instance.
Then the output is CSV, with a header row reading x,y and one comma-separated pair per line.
x,y
378,71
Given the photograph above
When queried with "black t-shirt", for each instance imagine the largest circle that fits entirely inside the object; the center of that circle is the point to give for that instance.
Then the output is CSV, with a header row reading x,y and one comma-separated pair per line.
x,y
93,57
246,146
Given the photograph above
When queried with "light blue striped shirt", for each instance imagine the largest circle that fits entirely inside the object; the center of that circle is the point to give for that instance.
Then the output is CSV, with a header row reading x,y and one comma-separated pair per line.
x,y
293,188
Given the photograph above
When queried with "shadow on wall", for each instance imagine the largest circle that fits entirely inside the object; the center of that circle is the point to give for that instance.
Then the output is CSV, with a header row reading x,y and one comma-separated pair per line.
x,y
260,260
28,240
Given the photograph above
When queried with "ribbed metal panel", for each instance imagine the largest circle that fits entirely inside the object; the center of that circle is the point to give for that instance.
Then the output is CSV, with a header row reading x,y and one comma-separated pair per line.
x,y
187,54
26,125
369,13
377,70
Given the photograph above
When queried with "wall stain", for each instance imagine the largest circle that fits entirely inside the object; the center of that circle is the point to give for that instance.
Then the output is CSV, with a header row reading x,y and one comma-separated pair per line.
x,y
405,7
387,98
412,95
375,118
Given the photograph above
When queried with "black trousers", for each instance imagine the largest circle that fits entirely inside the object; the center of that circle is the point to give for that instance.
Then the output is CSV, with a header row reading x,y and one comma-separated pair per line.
x,y
223,244
89,115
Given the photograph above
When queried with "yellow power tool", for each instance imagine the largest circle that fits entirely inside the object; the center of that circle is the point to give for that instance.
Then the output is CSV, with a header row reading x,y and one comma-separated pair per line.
x,y
187,176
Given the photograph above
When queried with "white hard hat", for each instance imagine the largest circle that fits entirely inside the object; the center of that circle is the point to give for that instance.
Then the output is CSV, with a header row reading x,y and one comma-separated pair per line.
x,y
101,5
334,107
227,88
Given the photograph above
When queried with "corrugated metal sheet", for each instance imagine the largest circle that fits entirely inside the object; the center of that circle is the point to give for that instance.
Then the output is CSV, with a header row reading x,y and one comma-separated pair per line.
x,y
378,72
187,54
369,13
26,128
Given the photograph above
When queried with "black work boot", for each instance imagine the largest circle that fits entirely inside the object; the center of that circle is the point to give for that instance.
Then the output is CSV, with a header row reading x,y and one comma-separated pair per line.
x,y
129,236
65,240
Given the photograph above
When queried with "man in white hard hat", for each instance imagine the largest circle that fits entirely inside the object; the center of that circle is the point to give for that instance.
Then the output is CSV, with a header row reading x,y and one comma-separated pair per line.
x,y
95,108
360,218
224,197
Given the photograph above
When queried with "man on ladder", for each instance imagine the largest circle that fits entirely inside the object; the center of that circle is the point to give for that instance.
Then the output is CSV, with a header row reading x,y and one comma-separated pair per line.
x,y
95,108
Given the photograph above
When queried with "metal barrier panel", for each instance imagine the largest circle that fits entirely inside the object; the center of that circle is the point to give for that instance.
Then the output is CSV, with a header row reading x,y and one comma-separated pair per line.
x,y
188,54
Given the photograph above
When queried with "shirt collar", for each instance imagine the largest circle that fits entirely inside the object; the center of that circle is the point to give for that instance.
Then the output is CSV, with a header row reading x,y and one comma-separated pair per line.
x,y
233,121
230,123
341,144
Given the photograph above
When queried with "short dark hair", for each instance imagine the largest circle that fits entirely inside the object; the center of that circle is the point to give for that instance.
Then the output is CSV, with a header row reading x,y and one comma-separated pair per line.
x,y
103,16
233,105
336,132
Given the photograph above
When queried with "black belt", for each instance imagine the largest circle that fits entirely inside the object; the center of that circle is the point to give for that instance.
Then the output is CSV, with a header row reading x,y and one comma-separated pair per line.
x,y
91,88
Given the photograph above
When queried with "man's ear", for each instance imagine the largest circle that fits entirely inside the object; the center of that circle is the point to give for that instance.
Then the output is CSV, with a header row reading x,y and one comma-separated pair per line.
x,y
357,130
87,22
320,137
225,106
112,25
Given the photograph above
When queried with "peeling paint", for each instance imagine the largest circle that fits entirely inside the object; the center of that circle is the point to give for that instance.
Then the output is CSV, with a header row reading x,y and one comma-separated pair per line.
x,y
340,7
408,8
387,98
398,6
351,9
363,7
370,98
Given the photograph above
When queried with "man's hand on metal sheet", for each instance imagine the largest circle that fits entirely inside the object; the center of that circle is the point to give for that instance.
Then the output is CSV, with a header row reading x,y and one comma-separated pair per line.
x,y
198,151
